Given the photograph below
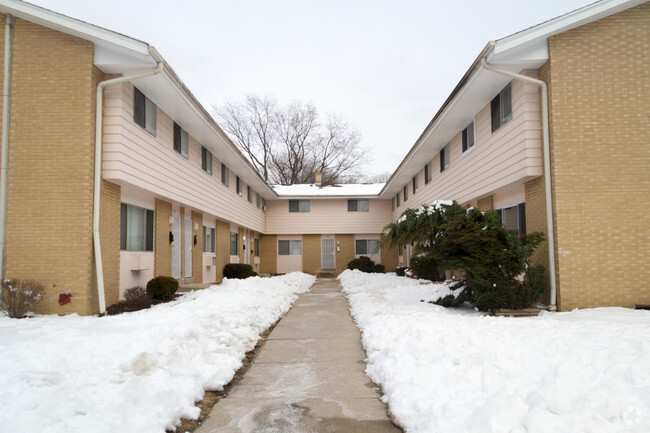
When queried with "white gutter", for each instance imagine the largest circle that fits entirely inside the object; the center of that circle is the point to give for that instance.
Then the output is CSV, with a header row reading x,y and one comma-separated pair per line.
x,y
4,164
98,175
547,171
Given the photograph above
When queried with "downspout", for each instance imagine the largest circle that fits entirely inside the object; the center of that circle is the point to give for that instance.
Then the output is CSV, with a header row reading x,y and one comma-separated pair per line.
x,y
547,171
98,175
4,164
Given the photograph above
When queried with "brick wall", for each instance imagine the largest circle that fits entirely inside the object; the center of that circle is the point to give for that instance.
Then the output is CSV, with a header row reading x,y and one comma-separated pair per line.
x,y
600,88
51,158
161,245
346,255
536,222
486,203
109,223
311,253
268,254
389,258
222,252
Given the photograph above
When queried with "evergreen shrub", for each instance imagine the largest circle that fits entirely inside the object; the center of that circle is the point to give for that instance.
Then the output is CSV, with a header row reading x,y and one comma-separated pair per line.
x,y
239,271
427,268
365,264
401,271
162,288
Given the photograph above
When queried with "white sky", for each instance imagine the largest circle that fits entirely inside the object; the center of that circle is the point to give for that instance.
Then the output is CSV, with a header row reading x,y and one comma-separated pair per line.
x,y
385,66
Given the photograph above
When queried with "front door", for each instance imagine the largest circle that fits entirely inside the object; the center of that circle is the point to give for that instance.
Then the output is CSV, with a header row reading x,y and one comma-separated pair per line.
x,y
188,248
176,247
327,253
247,247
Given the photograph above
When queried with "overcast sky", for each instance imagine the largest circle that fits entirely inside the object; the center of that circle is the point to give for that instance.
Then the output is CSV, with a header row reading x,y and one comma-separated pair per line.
x,y
385,66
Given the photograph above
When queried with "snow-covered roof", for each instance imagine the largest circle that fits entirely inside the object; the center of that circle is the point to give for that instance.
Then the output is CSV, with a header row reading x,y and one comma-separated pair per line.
x,y
363,190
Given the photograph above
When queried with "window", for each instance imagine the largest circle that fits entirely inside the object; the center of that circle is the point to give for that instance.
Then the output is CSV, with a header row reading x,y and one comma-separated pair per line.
x,y
514,217
180,140
397,199
234,244
256,245
501,108
257,200
415,184
406,192
393,203
249,193
136,228
444,158
366,247
238,183
144,111
427,173
298,205
225,174
290,248
206,160
209,245
357,205
468,137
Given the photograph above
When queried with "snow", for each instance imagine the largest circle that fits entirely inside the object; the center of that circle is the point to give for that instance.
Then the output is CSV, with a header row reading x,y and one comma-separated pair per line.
x,y
136,372
455,370
342,190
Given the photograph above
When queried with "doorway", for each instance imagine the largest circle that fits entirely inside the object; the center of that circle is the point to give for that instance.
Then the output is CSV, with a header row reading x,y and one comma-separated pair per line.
x,y
328,253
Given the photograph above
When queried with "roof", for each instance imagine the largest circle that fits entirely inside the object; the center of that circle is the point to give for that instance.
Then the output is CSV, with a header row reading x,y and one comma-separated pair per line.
x,y
527,49
357,190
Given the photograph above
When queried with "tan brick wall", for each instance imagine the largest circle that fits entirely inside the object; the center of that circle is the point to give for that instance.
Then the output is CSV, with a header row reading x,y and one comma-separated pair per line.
x,y
268,254
222,244
109,222
486,203
536,222
51,158
600,88
389,258
311,254
346,255
197,250
161,246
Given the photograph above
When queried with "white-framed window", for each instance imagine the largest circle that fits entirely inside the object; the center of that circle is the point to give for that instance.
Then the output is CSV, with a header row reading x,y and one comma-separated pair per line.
x,y
444,158
366,247
415,184
406,192
289,247
225,174
136,228
258,200
209,239
427,173
393,203
181,140
397,199
468,137
514,217
234,243
239,186
501,108
256,246
206,160
299,206
144,111
249,193
358,205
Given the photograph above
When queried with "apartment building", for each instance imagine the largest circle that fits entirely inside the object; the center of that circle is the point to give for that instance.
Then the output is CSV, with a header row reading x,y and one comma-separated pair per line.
x,y
155,187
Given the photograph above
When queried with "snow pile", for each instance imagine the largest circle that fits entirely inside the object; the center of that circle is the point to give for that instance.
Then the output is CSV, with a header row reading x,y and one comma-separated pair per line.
x,y
136,372
429,209
446,370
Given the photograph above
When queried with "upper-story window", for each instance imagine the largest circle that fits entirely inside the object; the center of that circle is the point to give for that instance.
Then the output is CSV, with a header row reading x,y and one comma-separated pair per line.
x,y
206,160
406,192
225,174
427,173
144,111
393,203
136,228
249,193
181,140
258,200
468,137
501,108
415,184
444,158
397,199
358,206
298,205
239,187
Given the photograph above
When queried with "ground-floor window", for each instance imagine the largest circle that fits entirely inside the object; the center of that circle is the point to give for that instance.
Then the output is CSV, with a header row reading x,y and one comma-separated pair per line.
x,y
365,247
136,228
514,217
234,245
209,240
289,247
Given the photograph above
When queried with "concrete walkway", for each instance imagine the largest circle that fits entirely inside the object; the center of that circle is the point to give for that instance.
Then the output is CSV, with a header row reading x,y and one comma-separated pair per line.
x,y
308,376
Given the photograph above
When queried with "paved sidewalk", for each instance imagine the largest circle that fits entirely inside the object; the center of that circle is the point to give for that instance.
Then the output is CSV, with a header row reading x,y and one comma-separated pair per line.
x,y
308,376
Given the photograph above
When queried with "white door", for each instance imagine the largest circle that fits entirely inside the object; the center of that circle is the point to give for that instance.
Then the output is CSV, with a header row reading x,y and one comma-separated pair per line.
x,y
327,253
188,248
176,247
247,247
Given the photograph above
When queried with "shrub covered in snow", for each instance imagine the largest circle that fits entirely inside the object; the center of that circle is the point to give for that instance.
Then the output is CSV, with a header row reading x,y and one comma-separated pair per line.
x,y
19,296
238,270
365,264
162,288
401,271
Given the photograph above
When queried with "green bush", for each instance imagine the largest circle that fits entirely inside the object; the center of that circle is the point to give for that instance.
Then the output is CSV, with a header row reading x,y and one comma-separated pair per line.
x,y
238,271
427,268
365,264
162,288
401,271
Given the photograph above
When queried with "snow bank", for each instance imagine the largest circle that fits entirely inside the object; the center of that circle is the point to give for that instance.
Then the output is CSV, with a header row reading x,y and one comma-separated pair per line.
x,y
136,372
446,370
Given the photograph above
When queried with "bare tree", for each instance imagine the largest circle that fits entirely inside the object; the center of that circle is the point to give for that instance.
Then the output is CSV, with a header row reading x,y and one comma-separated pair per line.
x,y
287,145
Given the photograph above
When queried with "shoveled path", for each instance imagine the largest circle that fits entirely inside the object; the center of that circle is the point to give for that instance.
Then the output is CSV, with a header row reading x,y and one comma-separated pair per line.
x,y
308,376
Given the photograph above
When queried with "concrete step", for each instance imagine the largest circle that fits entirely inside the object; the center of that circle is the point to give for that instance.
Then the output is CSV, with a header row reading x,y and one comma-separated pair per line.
x,y
327,273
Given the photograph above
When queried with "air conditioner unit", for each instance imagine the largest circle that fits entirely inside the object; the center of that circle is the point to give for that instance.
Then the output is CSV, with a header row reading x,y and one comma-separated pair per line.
x,y
263,208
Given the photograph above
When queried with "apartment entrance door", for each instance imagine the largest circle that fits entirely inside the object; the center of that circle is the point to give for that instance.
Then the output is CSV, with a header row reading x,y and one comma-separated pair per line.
x,y
188,248
247,247
176,247
328,252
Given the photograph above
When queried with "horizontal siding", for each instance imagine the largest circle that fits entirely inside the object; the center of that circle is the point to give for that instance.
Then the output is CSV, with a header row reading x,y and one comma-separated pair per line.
x,y
133,156
327,217
512,154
